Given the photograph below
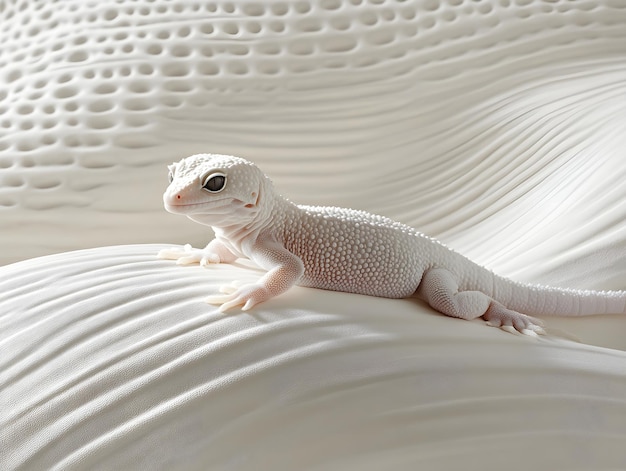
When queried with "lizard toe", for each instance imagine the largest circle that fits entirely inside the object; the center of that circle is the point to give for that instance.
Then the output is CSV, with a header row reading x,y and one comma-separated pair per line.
x,y
237,294
513,321
231,288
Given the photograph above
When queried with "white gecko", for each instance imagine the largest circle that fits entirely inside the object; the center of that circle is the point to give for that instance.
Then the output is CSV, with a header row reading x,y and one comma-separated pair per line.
x,y
346,250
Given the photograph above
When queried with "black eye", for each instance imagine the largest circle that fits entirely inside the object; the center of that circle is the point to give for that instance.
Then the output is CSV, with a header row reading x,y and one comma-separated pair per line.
x,y
170,177
215,182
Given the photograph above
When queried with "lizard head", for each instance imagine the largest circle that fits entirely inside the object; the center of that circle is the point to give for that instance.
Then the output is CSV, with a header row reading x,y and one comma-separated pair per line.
x,y
216,190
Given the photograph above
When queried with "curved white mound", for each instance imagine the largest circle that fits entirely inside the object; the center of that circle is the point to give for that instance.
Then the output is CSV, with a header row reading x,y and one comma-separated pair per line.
x,y
117,363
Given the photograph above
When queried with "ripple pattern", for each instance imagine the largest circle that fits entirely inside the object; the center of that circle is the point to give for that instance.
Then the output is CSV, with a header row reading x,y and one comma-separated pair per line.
x,y
117,364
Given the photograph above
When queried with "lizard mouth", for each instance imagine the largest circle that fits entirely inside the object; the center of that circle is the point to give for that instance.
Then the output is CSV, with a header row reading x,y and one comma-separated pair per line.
x,y
221,206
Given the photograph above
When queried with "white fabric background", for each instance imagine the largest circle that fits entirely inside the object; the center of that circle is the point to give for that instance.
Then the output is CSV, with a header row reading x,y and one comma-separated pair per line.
x,y
497,127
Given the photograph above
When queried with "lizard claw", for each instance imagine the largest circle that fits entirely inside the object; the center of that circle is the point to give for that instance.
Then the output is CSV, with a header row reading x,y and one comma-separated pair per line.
x,y
513,322
218,299
231,288
531,330
534,330
508,328
189,255
171,253
236,294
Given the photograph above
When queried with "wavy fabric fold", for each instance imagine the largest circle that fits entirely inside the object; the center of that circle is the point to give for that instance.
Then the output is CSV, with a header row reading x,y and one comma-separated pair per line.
x,y
110,360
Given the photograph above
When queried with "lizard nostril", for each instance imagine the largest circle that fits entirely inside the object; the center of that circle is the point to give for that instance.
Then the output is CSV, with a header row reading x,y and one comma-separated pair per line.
x,y
177,197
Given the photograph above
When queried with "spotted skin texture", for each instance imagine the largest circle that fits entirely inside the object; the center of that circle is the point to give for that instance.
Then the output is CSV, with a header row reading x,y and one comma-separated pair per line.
x,y
347,250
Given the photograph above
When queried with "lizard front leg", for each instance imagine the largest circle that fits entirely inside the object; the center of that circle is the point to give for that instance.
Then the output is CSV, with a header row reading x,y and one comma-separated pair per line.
x,y
440,289
284,270
214,252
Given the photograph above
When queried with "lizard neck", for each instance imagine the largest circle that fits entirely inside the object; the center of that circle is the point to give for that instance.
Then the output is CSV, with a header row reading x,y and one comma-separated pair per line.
x,y
270,209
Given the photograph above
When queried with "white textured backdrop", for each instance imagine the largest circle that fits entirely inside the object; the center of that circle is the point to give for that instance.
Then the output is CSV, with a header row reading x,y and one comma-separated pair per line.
x,y
498,126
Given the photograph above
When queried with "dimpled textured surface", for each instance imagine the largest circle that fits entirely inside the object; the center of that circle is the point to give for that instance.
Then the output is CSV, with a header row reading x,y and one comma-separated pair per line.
x,y
496,126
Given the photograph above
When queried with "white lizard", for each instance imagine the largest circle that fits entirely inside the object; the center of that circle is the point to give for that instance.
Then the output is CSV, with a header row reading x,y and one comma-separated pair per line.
x,y
346,250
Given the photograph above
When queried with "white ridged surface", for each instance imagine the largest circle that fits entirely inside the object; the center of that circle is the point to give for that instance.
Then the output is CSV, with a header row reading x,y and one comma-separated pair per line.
x,y
135,372
497,126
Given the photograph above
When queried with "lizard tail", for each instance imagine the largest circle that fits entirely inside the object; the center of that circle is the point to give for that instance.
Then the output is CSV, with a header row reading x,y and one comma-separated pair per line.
x,y
551,301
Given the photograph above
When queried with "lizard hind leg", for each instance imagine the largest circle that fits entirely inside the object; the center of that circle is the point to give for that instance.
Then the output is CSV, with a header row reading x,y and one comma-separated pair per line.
x,y
440,289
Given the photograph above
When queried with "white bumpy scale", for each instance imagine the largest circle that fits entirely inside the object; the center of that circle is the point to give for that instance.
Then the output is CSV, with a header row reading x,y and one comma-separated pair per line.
x,y
346,250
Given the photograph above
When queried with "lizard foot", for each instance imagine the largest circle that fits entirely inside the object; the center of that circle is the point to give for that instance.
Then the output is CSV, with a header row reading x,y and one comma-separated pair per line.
x,y
514,322
189,255
237,294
